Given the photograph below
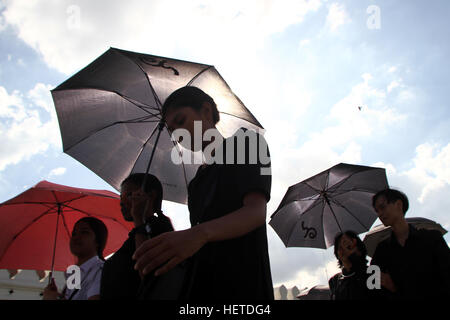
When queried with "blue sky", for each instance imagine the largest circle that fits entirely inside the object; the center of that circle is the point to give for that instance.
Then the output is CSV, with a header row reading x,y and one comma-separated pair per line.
x,y
302,67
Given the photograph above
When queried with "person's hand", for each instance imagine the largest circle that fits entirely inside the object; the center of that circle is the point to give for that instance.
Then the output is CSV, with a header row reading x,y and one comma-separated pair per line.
x,y
168,250
51,291
138,202
386,282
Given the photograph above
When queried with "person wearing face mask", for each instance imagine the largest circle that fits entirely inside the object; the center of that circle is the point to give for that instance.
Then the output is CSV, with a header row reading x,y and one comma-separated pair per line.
x,y
87,243
351,282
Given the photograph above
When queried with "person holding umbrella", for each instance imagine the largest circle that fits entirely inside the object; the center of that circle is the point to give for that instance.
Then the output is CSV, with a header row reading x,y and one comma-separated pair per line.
x,y
226,247
415,264
87,243
351,283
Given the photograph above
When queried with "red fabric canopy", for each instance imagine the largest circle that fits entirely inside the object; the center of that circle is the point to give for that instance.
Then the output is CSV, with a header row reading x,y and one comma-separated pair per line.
x,y
28,224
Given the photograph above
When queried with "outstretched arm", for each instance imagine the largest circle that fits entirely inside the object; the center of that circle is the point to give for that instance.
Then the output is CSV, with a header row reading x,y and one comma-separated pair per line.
x,y
169,249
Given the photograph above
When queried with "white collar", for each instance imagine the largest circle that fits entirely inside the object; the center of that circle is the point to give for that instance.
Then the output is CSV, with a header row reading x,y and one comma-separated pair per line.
x,y
90,263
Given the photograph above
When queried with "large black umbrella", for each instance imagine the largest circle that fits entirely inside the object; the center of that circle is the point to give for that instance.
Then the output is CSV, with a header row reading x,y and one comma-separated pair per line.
x,y
313,211
109,114
381,232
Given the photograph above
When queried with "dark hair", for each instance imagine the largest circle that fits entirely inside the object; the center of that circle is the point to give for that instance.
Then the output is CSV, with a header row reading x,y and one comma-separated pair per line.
x,y
100,231
152,184
189,97
359,244
392,196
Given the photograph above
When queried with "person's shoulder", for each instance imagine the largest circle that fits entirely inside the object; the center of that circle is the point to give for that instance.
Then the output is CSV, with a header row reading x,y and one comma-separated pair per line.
x,y
332,282
382,247
430,235
336,277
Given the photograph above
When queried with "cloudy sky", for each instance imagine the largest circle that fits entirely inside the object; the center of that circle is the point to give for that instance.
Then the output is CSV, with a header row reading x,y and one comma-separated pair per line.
x,y
302,67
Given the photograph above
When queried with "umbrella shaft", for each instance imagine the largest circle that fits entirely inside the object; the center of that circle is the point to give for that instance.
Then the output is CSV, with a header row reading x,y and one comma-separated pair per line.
x,y
160,127
54,244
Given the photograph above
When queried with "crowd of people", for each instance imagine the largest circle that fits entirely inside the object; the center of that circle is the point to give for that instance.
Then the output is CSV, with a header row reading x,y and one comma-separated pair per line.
x,y
224,255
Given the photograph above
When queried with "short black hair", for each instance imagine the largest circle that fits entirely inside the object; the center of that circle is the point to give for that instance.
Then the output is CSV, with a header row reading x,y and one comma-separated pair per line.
x,y
392,196
100,231
359,244
189,96
152,184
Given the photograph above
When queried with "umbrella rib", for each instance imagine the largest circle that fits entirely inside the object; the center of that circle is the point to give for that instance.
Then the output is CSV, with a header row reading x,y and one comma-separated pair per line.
x,y
146,77
197,75
345,180
65,226
23,230
143,147
334,216
235,116
108,126
348,211
94,215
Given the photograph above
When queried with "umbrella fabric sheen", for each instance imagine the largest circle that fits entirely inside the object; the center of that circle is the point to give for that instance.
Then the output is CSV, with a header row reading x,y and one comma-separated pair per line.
x,y
109,113
30,221
313,211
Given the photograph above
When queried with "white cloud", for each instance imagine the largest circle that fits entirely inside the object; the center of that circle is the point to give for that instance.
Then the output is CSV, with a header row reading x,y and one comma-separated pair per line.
x,y
57,172
23,132
304,42
337,16
308,278
431,168
206,26
394,84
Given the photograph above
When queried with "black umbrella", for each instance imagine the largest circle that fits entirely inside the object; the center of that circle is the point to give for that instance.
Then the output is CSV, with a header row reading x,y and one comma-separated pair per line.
x,y
313,211
381,232
109,115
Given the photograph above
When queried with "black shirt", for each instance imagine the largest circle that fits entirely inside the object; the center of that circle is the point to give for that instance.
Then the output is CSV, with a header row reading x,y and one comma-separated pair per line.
x,y
237,268
420,269
351,285
119,279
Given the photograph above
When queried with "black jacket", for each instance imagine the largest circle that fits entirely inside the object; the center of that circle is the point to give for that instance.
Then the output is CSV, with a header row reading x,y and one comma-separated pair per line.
x,y
420,269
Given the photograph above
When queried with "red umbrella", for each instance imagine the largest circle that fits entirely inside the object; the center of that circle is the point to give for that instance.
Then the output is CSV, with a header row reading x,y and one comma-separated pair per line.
x,y
36,225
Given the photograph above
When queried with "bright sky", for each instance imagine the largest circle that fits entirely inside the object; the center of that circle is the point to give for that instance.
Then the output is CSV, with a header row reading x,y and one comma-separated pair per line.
x,y
302,67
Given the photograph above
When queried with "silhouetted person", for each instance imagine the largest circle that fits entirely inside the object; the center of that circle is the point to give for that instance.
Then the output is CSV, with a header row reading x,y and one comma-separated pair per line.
x,y
351,282
226,247
87,242
415,264
120,280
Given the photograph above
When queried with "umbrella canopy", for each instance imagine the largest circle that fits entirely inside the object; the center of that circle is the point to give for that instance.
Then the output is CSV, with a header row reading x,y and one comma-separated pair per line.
x,y
313,211
381,232
109,112
319,292
30,221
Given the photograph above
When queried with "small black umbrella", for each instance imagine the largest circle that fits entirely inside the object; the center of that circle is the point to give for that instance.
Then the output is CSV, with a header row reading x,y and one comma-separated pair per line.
x,y
381,232
313,211
109,115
